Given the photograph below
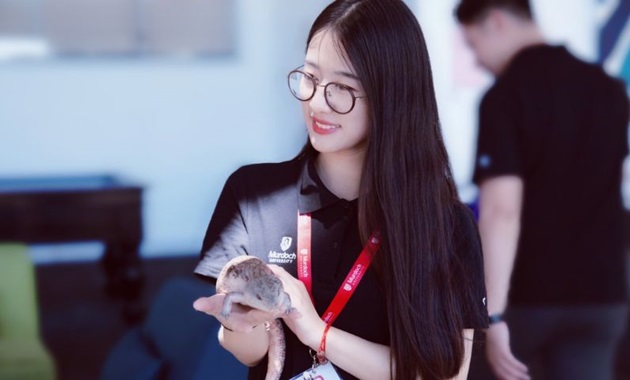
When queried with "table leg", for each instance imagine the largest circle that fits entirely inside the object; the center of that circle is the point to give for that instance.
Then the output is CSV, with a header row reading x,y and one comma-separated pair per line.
x,y
125,278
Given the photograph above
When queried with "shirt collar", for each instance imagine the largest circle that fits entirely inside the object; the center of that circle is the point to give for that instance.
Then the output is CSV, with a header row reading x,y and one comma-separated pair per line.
x,y
313,193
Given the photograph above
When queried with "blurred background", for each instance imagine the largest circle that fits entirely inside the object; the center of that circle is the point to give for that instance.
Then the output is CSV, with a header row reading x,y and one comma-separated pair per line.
x,y
171,96
174,95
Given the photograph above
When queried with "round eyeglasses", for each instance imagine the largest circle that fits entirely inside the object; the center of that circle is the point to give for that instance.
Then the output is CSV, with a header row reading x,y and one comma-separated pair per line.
x,y
339,97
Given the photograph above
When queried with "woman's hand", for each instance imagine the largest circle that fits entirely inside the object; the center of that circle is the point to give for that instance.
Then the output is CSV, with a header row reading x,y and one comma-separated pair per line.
x,y
241,319
307,325
248,348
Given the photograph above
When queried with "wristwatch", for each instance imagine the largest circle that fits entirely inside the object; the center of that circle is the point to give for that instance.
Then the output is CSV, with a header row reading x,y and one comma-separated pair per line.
x,y
495,318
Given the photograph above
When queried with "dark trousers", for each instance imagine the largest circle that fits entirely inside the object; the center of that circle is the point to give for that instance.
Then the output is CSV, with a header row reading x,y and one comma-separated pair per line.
x,y
557,343
623,355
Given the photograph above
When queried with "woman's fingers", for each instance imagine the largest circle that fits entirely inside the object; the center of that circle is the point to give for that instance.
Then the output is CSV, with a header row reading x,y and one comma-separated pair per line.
x,y
213,306
280,272
210,305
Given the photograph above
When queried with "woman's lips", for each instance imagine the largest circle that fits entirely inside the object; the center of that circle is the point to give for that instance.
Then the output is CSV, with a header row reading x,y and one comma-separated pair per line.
x,y
323,128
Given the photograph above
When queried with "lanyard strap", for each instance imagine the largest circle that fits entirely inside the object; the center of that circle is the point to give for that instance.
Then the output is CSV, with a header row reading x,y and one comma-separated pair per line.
x,y
304,252
351,281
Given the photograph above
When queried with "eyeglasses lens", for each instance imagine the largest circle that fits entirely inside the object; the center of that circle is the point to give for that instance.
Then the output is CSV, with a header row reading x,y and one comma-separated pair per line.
x,y
338,97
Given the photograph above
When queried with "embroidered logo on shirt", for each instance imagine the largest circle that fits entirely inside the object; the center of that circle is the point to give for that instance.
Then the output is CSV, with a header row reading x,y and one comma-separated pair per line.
x,y
284,257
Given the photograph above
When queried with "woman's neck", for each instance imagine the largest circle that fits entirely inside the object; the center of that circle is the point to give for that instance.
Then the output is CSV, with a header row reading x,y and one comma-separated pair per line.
x,y
341,173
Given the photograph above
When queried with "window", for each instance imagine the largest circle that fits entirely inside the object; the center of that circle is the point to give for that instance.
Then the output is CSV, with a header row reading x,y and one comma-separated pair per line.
x,y
36,28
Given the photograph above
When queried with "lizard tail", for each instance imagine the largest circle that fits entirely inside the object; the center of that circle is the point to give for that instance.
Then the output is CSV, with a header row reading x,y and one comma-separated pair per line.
x,y
277,347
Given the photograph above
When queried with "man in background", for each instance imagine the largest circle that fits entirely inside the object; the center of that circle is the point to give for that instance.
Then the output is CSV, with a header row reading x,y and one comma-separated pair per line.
x,y
551,144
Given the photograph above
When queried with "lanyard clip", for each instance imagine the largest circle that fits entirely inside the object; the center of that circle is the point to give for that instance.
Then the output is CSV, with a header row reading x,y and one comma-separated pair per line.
x,y
314,356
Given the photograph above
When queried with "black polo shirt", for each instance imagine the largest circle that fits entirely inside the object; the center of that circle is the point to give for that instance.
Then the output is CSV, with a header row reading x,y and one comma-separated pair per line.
x,y
257,215
561,125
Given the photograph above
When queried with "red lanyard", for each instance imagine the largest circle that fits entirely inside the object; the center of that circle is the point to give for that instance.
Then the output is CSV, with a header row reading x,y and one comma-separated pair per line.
x,y
353,278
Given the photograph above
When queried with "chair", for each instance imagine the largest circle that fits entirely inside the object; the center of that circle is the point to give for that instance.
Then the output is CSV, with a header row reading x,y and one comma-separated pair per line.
x,y
174,342
23,355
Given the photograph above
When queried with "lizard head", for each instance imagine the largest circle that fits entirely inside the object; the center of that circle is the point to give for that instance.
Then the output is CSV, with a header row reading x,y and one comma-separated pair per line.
x,y
269,295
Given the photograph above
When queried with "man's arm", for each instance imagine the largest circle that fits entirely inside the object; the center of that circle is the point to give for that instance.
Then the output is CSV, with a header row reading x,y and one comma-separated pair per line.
x,y
500,203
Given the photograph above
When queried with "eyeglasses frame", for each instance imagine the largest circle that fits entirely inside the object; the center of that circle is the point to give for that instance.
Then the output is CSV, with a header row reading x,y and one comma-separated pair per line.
x,y
325,86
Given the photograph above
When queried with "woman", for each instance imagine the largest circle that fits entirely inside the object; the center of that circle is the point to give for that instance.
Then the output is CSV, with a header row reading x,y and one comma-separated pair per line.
x,y
374,166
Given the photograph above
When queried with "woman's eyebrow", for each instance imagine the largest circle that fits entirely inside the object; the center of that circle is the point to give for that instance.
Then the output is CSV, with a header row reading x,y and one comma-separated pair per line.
x,y
340,73
347,75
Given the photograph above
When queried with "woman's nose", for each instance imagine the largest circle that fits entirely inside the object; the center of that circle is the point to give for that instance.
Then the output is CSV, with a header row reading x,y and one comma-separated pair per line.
x,y
318,101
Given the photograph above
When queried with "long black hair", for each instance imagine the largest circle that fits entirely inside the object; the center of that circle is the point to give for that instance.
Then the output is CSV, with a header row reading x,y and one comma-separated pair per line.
x,y
407,191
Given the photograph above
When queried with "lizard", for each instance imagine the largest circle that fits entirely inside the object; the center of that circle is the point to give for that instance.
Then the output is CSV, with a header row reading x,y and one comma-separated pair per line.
x,y
248,281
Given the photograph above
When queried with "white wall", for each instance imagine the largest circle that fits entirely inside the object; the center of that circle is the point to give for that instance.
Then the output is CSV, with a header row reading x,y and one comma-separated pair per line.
x,y
178,127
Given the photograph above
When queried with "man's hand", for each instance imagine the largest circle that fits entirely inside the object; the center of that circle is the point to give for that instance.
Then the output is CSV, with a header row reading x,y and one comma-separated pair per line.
x,y
502,362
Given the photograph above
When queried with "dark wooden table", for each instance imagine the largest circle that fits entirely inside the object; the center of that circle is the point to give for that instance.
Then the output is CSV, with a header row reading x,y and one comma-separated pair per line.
x,y
81,208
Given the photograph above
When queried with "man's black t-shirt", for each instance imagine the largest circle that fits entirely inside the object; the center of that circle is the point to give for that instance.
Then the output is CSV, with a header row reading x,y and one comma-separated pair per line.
x,y
561,125
257,215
